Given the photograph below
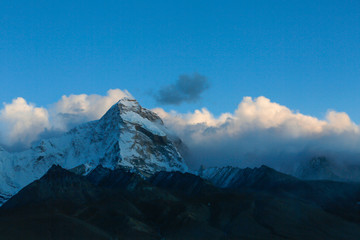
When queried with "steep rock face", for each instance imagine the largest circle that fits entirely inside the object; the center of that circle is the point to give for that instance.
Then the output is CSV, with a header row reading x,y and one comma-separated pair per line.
x,y
127,135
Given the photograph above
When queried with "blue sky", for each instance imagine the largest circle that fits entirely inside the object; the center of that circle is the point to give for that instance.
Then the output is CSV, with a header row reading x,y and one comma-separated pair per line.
x,y
302,54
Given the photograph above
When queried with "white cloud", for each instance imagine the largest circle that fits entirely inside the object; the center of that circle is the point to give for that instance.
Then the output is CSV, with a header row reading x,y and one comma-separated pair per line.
x,y
340,122
258,114
261,132
74,109
22,122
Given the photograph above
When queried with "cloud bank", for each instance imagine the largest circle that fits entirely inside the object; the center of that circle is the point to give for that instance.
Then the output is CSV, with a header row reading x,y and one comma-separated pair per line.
x,y
257,132
22,123
186,89
263,132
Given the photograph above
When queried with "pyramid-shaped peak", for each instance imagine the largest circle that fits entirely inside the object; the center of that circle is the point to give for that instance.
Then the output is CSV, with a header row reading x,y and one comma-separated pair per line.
x,y
126,136
129,109
130,114
130,105
124,105
128,102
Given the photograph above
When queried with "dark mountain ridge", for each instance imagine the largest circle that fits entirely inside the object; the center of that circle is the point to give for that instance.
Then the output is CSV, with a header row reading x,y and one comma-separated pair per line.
x,y
120,204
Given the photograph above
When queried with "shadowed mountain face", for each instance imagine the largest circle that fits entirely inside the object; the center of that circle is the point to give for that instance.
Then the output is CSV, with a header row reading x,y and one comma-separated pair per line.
x,y
258,178
341,198
118,204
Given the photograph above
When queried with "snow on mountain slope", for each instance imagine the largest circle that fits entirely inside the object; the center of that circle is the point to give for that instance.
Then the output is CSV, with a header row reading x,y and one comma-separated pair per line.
x,y
127,135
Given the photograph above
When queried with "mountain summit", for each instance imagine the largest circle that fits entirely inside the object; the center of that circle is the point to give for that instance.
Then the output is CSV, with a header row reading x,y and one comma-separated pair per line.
x,y
128,135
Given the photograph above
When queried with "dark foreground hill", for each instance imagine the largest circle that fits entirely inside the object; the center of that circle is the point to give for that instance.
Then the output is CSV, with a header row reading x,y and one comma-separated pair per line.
x,y
119,204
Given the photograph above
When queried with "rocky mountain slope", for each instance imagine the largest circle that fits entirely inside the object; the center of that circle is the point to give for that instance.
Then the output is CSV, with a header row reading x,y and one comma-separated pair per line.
x,y
127,135
119,204
341,198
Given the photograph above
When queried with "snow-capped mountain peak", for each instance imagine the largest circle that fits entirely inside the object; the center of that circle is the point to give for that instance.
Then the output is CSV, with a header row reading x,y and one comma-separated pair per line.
x,y
128,135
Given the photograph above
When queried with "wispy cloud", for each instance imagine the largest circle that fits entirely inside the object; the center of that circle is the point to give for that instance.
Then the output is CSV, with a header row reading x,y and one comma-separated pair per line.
x,y
187,88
